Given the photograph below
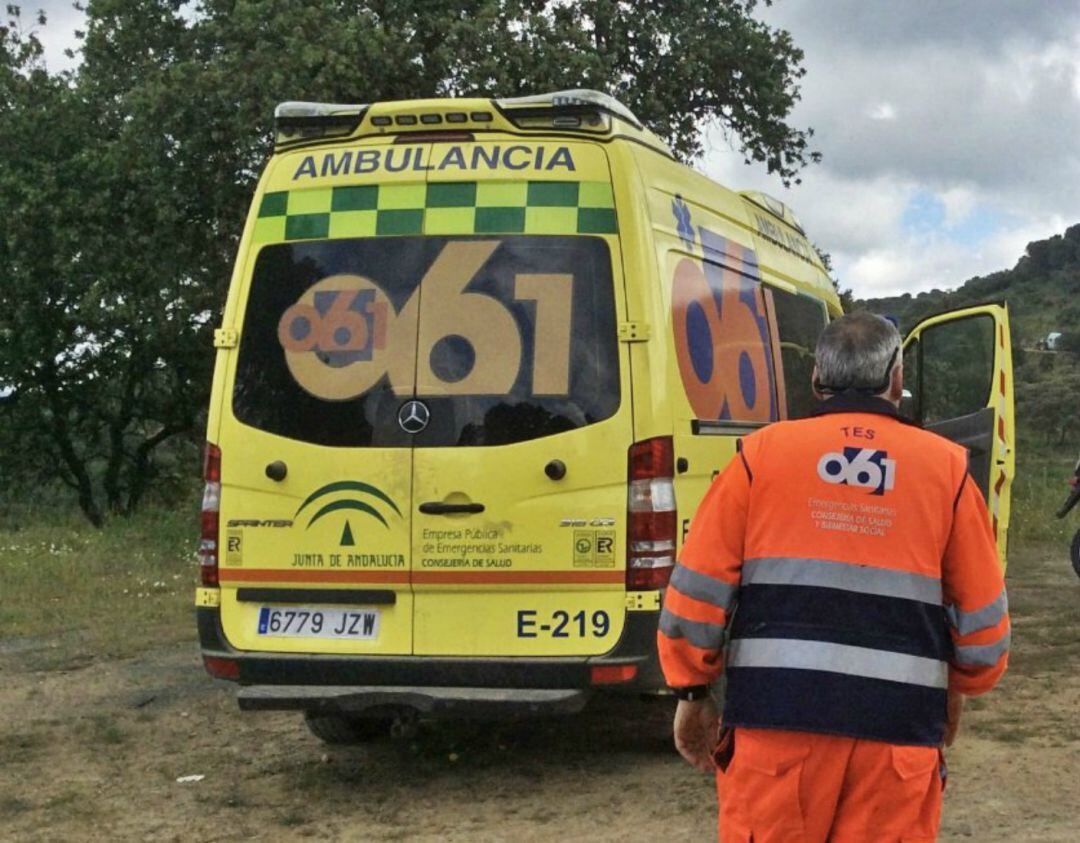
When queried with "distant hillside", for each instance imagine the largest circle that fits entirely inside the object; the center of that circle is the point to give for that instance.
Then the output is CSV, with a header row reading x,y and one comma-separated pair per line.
x,y
1043,293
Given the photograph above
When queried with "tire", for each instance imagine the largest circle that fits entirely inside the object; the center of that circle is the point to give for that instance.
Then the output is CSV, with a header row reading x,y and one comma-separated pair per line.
x,y
341,729
1075,553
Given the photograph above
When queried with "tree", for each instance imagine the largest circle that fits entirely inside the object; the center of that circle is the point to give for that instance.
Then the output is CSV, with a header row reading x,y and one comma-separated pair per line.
x,y
103,309
128,179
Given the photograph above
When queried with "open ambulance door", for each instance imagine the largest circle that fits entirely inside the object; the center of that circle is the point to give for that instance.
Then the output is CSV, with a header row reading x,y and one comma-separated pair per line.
x,y
958,371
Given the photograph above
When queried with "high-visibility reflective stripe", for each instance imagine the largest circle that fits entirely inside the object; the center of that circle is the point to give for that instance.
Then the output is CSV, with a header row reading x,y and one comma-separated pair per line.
x,y
783,570
838,658
983,655
703,587
706,636
984,618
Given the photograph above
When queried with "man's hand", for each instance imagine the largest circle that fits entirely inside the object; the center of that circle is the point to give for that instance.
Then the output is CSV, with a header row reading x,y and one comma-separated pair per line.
x,y
695,732
955,707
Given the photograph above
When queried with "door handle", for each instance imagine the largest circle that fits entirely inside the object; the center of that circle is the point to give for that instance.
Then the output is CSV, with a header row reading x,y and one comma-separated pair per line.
x,y
441,508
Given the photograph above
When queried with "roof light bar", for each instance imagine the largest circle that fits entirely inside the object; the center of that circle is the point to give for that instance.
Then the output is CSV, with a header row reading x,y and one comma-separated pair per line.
x,y
574,99
319,109
295,121
576,110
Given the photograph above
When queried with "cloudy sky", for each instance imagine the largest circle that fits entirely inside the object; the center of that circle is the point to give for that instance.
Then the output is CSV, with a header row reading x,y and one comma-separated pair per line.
x,y
950,132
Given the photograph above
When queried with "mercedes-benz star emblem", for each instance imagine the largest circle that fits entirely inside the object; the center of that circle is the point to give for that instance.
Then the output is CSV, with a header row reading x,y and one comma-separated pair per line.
x,y
413,416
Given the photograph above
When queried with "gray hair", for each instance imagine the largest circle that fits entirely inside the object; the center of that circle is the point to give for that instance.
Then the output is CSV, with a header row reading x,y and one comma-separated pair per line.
x,y
856,351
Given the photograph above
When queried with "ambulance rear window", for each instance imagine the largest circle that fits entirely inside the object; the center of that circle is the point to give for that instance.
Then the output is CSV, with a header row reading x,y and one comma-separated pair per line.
x,y
502,339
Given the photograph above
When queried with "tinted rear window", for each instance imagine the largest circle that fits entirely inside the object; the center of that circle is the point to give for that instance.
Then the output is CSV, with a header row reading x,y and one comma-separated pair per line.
x,y
503,339
799,322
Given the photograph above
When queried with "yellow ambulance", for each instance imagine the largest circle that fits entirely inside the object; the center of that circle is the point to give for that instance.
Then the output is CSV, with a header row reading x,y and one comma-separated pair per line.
x,y
478,363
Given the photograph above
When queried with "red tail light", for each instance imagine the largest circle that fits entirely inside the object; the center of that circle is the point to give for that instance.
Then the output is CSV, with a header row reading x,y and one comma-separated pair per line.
x,y
221,668
211,506
612,674
651,515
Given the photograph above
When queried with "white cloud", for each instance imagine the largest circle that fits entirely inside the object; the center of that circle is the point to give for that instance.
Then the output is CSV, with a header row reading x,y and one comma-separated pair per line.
x,y
948,131
914,264
882,111
959,201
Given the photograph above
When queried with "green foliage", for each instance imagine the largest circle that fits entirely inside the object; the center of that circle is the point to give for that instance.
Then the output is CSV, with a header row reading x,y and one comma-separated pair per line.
x,y
1070,341
124,184
104,307
675,63
1048,397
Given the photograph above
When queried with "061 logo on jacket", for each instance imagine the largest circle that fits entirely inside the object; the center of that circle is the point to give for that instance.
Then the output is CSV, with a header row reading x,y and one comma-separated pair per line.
x,y
861,467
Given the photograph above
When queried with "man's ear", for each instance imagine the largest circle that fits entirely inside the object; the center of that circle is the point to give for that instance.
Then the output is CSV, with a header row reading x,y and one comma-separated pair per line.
x,y
813,385
896,383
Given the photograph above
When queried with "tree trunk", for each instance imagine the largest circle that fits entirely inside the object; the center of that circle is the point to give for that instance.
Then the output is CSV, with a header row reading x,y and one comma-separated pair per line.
x,y
140,471
61,436
114,493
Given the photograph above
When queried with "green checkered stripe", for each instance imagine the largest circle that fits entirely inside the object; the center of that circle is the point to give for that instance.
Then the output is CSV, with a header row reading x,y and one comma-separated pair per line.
x,y
469,207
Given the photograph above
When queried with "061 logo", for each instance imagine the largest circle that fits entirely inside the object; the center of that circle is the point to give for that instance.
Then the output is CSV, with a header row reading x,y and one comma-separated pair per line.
x,y
861,467
344,334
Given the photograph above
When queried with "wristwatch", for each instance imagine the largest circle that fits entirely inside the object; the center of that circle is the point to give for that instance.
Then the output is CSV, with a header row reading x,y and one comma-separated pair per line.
x,y
692,693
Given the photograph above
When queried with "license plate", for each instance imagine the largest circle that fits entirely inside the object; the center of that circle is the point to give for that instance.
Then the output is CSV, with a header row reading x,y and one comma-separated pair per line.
x,y
310,622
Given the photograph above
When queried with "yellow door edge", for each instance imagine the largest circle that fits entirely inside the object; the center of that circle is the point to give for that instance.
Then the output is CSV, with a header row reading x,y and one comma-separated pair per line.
x,y
1001,401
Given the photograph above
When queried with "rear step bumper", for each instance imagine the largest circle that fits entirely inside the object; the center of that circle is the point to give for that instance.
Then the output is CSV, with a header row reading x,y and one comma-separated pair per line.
x,y
480,703
322,677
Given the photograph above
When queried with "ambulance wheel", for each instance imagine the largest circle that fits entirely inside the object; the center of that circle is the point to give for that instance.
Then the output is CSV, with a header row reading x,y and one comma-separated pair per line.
x,y
1076,553
342,729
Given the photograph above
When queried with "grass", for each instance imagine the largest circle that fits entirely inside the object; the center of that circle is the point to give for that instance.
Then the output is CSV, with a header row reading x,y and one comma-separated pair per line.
x,y
112,592
21,747
1044,607
1039,490
10,806
292,819
101,730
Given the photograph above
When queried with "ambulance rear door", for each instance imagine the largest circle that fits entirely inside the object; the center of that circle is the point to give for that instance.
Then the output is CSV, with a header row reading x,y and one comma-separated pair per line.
x,y
520,460
958,371
316,468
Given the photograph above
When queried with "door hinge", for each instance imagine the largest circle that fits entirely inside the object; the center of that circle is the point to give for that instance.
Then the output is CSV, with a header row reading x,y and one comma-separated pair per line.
x,y
226,337
634,331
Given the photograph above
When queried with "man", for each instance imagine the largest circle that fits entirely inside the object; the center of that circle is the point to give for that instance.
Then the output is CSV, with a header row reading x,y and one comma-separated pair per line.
x,y
870,603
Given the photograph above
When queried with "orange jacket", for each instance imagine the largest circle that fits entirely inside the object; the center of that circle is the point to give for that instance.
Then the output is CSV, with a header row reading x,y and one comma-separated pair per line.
x,y
860,555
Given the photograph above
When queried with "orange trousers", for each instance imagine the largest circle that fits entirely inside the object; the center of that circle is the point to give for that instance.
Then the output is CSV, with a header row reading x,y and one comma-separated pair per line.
x,y
797,787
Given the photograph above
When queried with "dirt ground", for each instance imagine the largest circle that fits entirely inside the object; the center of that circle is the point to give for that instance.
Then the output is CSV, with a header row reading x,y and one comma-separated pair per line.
x,y
91,749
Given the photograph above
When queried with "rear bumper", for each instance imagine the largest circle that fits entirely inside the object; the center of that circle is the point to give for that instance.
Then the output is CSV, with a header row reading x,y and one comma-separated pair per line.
x,y
431,684
463,703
